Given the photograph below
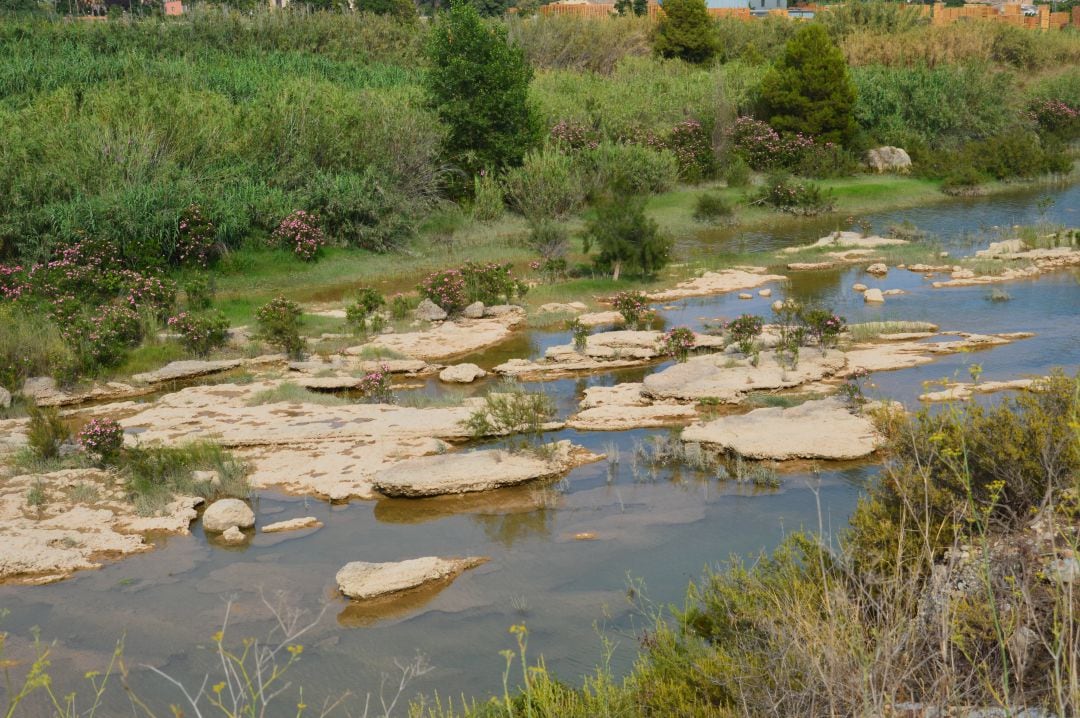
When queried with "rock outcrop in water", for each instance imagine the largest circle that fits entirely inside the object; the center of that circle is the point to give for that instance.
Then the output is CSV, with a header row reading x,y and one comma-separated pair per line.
x,y
361,580
721,282
821,429
227,513
450,339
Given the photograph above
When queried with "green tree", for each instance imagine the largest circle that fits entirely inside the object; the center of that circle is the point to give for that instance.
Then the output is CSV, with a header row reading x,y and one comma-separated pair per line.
x,y
809,89
627,238
478,84
638,7
686,31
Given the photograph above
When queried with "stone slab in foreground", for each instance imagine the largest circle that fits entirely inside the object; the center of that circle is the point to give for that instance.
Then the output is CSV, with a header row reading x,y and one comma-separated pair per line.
x,y
822,429
361,580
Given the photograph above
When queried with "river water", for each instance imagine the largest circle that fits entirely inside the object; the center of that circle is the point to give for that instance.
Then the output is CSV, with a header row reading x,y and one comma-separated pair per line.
x,y
656,530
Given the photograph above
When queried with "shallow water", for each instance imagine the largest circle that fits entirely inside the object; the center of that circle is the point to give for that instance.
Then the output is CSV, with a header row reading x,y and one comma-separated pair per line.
x,y
654,527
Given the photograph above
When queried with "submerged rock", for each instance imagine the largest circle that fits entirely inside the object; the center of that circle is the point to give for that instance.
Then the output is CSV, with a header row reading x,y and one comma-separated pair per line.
x,y
873,296
361,580
226,513
820,429
233,535
307,522
464,472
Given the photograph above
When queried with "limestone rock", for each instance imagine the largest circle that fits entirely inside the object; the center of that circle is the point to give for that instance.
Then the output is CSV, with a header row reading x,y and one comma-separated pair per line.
x,y
5,398
233,535
449,339
765,292
727,380
461,374
624,406
224,513
429,311
39,387
185,369
878,269
473,311
893,292
1009,246
468,471
307,522
745,295
361,580
848,240
820,429
888,159
561,308
873,296
709,283
599,319
859,287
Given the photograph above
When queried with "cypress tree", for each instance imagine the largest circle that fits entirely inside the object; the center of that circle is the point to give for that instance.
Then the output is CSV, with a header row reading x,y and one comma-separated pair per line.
x,y
686,31
809,89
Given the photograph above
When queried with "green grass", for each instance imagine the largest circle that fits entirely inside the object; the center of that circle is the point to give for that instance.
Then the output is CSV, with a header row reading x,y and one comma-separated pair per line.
x,y
148,357
369,353
868,331
288,392
155,474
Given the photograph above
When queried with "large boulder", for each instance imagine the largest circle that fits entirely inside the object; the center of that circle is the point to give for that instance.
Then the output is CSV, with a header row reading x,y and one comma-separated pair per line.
x,y
5,398
823,429
361,580
888,159
873,296
226,513
429,311
473,311
461,374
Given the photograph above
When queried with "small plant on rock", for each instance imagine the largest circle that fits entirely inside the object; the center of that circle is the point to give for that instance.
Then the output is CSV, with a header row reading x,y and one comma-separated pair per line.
x,y
512,412
823,326
376,387
361,312
678,343
400,306
744,331
792,332
445,288
279,325
201,332
851,391
580,333
634,307
103,438
46,432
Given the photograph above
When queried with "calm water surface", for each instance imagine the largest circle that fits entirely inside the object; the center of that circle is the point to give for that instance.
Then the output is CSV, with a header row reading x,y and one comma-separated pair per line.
x,y
655,530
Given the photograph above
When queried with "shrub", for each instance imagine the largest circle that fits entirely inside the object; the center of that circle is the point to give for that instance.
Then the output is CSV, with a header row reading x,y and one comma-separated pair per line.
x,y
103,437
823,326
301,234
579,332
491,283
691,142
45,432
548,239
626,237
489,201
446,288
376,388
478,85
30,345
366,303
1056,118
564,42
627,168
792,332
1016,154
685,32
359,210
400,306
809,89
744,331
569,136
546,185
201,332
633,306
512,411
762,147
198,293
794,197
963,181
711,207
103,338
196,239
737,173
279,323
678,343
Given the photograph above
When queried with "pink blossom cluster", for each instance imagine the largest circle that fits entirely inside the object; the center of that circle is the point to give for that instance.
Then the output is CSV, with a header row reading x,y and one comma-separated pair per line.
x,y
376,387
103,437
678,343
446,288
195,239
1056,116
693,149
572,136
300,232
634,307
763,148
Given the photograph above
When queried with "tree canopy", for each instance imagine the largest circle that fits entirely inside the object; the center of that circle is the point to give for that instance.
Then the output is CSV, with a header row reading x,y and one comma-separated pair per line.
x,y
686,31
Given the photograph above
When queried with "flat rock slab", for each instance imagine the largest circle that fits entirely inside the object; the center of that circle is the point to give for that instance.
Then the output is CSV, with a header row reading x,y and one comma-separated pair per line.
x,y
710,283
1039,261
461,374
624,406
362,581
307,522
847,240
728,380
466,472
965,390
186,369
821,429
451,339
350,363
600,319
906,354
566,366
